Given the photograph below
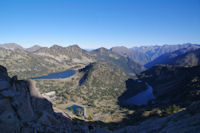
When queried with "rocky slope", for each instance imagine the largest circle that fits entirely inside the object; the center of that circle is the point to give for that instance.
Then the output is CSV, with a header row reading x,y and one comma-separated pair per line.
x,y
26,65
43,61
187,121
71,56
24,110
135,55
123,61
65,54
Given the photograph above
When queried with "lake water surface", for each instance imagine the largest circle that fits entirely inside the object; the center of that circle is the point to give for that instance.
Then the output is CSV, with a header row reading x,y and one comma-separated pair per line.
x,y
75,109
58,75
143,97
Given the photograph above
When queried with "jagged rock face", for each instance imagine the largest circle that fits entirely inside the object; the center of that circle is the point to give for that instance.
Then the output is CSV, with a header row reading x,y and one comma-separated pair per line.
x,y
22,109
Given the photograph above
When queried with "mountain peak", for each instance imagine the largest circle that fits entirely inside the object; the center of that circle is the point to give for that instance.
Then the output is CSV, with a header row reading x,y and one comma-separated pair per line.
x,y
33,48
101,50
74,45
12,46
120,49
55,46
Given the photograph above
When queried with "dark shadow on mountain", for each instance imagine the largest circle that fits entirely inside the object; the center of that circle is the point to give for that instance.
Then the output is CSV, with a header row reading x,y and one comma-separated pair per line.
x,y
86,72
133,87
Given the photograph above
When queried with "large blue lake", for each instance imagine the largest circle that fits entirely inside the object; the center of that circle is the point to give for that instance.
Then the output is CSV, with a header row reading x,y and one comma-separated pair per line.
x,y
58,75
143,97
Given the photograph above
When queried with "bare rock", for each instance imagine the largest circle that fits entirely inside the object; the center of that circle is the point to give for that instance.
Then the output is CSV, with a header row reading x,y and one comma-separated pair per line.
x,y
4,84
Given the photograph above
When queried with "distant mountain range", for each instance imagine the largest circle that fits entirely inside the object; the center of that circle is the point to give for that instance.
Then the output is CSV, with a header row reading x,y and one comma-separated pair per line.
x,y
183,57
136,55
145,54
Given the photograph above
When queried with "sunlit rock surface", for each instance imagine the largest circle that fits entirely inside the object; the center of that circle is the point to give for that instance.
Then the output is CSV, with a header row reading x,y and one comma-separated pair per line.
x,y
22,109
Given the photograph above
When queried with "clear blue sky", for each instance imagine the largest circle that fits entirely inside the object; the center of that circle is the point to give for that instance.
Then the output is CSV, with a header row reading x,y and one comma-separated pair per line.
x,y
97,23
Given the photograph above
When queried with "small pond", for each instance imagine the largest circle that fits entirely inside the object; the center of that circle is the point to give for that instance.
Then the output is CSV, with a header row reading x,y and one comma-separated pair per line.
x,y
76,110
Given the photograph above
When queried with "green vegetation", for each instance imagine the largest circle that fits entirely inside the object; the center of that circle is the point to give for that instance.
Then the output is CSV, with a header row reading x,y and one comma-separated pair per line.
x,y
172,109
102,85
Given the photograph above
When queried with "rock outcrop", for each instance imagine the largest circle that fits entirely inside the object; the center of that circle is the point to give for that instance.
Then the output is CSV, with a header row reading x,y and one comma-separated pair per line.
x,y
22,109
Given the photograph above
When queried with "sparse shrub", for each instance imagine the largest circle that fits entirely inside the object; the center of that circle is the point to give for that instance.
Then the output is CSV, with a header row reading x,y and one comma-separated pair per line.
x,y
90,117
172,109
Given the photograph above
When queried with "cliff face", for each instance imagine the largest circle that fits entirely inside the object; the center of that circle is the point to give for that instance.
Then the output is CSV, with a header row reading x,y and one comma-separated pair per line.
x,y
22,109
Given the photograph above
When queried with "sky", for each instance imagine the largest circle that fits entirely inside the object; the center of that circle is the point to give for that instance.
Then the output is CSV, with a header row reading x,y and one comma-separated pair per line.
x,y
99,23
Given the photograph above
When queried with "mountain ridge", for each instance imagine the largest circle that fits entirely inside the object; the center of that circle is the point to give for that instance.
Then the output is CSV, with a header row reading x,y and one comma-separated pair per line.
x,y
145,54
182,57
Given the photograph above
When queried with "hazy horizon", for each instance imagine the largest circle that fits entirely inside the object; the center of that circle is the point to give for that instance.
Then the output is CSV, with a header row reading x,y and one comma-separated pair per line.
x,y
95,47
